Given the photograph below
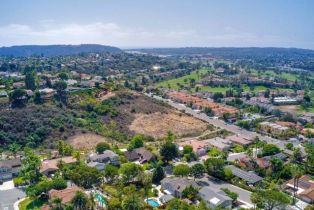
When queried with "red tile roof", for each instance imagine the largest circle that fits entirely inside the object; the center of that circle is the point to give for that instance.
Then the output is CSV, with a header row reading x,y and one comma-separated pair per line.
x,y
66,195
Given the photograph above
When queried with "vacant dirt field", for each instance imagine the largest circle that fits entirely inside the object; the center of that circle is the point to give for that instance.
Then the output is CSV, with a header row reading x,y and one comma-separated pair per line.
x,y
288,108
158,124
85,140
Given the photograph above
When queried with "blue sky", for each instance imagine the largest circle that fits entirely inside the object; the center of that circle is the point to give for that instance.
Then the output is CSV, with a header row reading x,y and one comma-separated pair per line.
x,y
159,23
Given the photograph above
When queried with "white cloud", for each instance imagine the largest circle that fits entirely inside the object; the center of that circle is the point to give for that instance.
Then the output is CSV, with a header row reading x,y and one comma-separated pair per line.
x,y
50,32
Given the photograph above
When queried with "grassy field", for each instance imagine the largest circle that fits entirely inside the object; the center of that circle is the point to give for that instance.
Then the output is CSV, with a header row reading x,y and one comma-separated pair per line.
x,y
185,80
256,88
302,109
212,89
284,75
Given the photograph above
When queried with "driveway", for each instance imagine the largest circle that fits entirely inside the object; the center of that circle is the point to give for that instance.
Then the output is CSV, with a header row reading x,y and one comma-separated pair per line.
x,y
236,156
9,197
216,184
8,185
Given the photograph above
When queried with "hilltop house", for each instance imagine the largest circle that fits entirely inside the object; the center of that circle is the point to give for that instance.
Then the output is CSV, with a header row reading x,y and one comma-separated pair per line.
x,y
49,167
107,157
47,93
140,154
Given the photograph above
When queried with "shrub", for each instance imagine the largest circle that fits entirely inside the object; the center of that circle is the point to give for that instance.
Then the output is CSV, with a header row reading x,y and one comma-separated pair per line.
x,y
101,147
18,181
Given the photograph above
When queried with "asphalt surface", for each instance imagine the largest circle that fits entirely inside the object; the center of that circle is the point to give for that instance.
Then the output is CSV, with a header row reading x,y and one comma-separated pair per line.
x,y
230,127
9,197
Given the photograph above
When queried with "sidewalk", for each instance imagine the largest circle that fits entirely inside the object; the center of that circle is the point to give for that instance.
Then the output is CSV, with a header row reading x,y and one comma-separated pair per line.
x,y
16,204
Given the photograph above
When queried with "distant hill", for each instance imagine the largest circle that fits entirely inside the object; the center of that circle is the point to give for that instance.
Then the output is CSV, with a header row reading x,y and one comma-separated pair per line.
x,y
231,52
56,50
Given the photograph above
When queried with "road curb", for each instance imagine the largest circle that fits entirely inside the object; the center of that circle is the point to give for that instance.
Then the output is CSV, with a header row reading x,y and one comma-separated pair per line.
x,y
16,204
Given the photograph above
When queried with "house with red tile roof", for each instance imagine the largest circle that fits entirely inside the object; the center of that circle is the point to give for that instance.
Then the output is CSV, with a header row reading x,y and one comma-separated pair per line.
x,y
199,147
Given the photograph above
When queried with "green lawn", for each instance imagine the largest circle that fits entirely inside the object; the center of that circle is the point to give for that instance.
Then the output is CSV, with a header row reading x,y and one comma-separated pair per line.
x,y
185,80
212,89
28,204
256,88
284,75
302,109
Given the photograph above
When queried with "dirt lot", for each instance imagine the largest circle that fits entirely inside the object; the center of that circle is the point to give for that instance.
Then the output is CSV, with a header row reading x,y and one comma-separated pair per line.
x,y
158,124
288,108
141,114
106,96
85,140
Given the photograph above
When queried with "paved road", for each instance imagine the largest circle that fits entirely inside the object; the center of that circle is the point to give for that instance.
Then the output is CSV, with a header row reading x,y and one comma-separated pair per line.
x,y
229,127
216,184
9,197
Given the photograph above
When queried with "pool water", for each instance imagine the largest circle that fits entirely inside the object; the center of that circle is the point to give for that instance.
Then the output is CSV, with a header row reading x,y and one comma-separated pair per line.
x,y
153,202
100,199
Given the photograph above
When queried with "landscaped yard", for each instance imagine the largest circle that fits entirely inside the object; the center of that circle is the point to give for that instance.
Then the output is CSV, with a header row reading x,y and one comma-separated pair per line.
x,y
29,204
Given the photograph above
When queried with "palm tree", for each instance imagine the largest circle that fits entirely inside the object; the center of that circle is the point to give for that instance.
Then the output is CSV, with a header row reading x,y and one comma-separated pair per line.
x,y
296,173
92,201
58,203
77,156
80,201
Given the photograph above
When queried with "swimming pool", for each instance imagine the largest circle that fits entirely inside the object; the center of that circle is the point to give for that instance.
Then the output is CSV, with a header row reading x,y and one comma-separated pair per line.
x,y
100,199
152,202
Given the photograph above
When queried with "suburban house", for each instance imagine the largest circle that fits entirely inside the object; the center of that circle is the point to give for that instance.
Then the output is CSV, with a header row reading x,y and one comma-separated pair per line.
x,y
49,167
87,84
166,198
140,154
97,165
9,168
219,143
273,128
215,199
18,85
304,188
47,93
249,163
199,147
279,155
107,157
240,139
66,195
3,94
249,177
176,185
